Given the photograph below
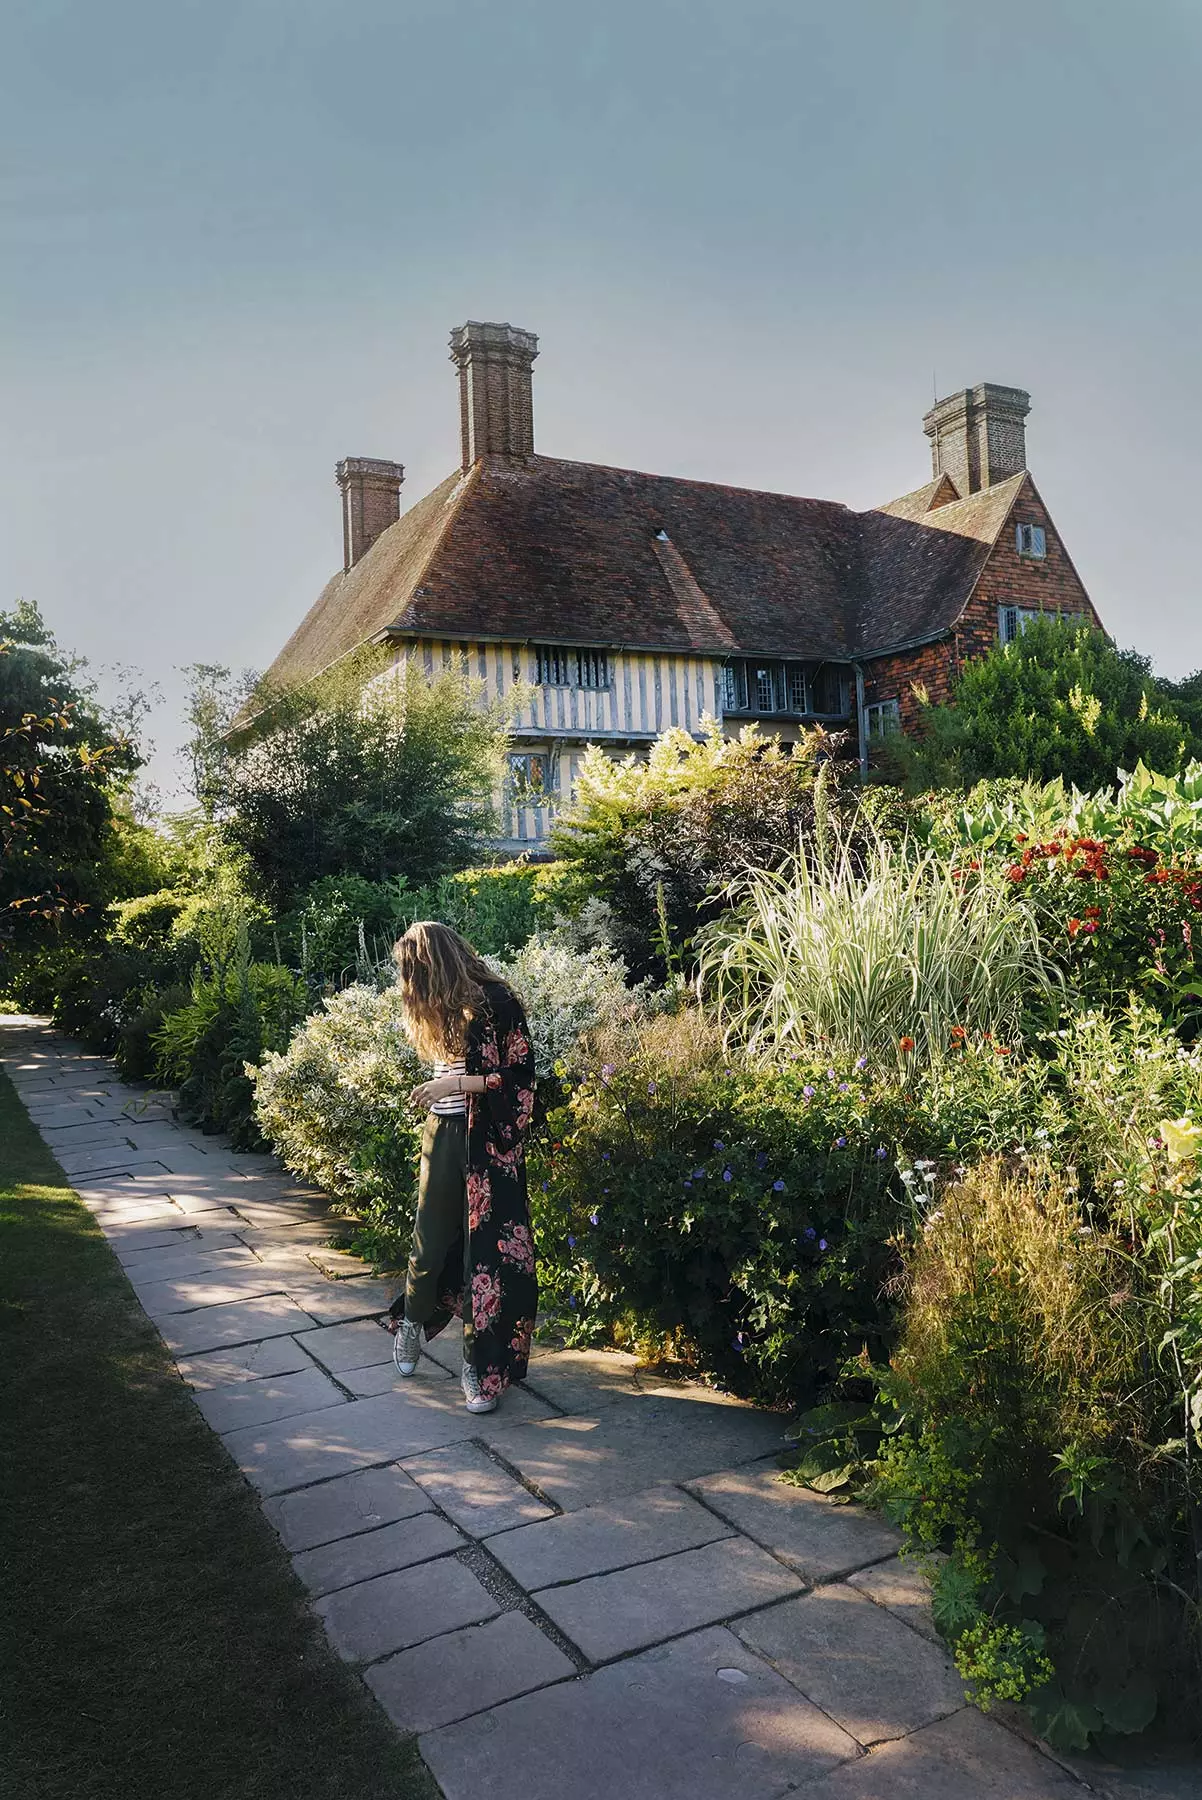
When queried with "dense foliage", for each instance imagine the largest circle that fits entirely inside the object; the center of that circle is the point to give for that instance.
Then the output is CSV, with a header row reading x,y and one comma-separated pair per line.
x,y
371,770
64,762
655,842
1058,703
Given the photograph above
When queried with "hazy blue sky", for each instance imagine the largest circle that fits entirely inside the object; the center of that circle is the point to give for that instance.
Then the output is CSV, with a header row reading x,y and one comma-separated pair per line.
x,y
235,238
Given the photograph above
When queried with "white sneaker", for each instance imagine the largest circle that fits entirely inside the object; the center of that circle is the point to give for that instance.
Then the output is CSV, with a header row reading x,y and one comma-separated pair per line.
x,y
475,1400
406,1346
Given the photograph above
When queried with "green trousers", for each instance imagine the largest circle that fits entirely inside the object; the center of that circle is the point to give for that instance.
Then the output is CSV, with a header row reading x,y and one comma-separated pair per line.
x,y
441,1218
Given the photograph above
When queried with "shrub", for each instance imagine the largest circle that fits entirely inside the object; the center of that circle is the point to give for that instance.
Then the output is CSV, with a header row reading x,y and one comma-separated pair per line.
x,y
658,840
496,910
1028,1439
370,769
330,933
873,952
231,1019
1058,702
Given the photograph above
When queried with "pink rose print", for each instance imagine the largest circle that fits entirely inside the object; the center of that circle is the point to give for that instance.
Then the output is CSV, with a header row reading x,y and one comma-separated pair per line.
x,y
492,1082
479,1200
523,1335
486,1298
509,1161
452,1303
493,1383
490,1056
517,1048
525,1107
518,1248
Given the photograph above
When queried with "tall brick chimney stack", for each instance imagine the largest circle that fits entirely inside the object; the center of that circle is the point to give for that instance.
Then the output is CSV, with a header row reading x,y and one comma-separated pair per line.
x,y
978,436
496,401
371,502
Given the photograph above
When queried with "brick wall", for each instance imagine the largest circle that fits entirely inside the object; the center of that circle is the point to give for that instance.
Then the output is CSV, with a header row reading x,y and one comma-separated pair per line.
x,y
1048,584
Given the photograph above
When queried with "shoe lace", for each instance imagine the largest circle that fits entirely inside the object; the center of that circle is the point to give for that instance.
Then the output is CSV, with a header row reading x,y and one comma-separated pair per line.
x,y
471,1382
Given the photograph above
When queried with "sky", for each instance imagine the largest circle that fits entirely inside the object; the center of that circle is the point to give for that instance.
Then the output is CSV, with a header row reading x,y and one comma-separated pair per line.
x,y
754,240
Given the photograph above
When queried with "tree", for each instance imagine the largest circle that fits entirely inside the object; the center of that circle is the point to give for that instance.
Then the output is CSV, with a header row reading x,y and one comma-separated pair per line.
x,y
64,766
1058,701
370,770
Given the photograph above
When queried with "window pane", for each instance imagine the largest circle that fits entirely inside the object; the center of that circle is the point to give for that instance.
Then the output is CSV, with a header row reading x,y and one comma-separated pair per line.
x,y
797,687
763,691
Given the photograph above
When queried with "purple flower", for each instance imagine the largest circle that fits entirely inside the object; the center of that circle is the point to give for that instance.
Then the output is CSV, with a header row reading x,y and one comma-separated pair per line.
x,y
651,1087
808,1232
843,1088
544,1187
809,1092
698,1174
605,1190
880,1155
861,1062
822,1243
830,1075
761,1161
718,1144
687,1182
571,1243
840,1143
605,1156
592,1218
572,1301
737,1343
607,1070
778,1187
726,1175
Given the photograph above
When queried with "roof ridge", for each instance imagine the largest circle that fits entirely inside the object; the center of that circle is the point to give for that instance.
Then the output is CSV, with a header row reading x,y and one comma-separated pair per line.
x,y
693,481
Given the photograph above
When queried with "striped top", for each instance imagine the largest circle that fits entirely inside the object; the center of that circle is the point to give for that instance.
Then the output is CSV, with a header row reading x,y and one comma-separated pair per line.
x,y
455,1105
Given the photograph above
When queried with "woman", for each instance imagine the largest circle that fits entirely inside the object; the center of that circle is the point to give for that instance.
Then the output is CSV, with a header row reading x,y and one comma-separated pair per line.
x,y
473,1251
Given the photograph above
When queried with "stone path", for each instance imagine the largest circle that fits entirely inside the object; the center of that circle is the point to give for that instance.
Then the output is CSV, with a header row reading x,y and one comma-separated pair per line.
x,y
600,1590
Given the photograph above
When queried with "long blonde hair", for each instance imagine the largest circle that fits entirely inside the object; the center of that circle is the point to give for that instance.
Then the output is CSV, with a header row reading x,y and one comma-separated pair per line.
x,y
442,984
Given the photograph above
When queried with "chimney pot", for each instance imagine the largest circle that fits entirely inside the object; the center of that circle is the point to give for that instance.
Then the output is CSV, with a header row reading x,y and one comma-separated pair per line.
x,y
371,502
979,435
496,401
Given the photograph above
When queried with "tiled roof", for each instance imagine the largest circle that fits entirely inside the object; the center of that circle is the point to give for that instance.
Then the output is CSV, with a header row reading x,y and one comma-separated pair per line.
x,y
575,553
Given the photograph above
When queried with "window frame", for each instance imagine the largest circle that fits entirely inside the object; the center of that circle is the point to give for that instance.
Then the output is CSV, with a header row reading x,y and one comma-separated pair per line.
x,y
876,730
520,790
787,680
573,666
1031,542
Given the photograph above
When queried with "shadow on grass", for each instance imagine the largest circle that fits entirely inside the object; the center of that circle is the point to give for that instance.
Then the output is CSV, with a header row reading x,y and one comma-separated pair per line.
x,y
157,1643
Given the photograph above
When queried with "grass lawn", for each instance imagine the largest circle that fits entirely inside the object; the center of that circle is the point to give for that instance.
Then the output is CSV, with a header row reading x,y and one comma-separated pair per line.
x,y
157,1645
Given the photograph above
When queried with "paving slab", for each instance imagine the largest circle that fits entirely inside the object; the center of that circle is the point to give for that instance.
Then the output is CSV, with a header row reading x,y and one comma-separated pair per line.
x,y
610,1615
238,1404
340,1348
857,1662
174,1262
131,1240
598,1539
163,1299
96,1134
60,1112
821,1541
404,1608
216,1327
297,1451
966,1757
117,1223
633,1444
583,1380
474,1491
247,1362
401,1545
278,1212
345,1506
901,1585
447,1348
701,1719
194,1202
110,1160
1168,1778
467,1671
338,1302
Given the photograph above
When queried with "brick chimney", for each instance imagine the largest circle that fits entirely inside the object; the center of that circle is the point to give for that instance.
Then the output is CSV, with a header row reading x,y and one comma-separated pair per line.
x,y
978,436
496,403
371,502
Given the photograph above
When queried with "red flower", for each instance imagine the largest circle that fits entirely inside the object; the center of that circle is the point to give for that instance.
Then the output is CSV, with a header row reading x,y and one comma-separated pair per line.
x,y
1089,927
906,1044
1074,926
1016,872
1001,1049
958,1034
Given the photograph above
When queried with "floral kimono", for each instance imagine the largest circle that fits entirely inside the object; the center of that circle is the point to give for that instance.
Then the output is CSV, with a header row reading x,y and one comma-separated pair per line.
x,y
499,1262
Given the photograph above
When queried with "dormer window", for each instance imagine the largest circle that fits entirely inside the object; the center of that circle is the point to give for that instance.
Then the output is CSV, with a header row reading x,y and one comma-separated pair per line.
x,y
1031,541
557,666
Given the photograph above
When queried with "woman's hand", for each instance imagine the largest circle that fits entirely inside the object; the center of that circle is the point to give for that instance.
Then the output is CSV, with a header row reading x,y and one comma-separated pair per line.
x,y
427,1092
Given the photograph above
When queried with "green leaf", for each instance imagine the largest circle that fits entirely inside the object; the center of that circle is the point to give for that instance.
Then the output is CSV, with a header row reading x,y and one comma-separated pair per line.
x,y
1132,1706
1065,1724
1021,1574
830,1479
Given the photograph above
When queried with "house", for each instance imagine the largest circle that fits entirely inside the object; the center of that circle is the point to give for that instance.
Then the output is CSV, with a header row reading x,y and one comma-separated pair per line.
x,y
619,603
